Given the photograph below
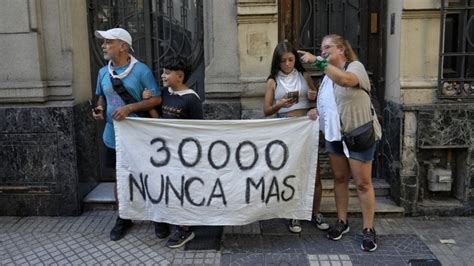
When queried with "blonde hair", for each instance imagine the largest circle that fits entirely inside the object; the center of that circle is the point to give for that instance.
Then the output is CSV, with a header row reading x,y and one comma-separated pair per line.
x,y
341,42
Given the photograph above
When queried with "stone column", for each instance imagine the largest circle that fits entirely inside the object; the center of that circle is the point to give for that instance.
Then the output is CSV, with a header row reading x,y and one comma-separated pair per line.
x,y
47,135
222,72
239,40
258,35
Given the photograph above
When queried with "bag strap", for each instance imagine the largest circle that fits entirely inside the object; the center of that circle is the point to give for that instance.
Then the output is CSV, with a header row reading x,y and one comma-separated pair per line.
x,y
368,94
345,69
122,92
126,97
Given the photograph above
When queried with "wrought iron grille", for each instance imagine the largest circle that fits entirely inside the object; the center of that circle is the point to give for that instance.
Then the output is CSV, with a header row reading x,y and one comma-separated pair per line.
x,y
322,17
160,29
456,57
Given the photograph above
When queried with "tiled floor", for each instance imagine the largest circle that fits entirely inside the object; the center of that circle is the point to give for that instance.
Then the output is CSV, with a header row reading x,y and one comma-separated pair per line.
x,y
85,240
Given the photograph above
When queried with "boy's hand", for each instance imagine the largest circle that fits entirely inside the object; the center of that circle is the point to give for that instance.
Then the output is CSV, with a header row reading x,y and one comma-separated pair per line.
x,y
99,113
147,94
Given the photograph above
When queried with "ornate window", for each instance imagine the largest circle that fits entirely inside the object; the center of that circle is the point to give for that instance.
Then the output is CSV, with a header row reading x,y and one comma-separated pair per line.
x,y
456,60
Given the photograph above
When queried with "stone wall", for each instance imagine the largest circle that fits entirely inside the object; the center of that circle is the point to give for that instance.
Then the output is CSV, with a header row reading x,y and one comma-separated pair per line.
x,y
47,136
391,146
258,36
239,40
445,132
42,149
222,73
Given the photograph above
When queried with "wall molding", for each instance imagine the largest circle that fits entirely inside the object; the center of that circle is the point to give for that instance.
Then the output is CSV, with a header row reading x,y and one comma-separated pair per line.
x,y
421,14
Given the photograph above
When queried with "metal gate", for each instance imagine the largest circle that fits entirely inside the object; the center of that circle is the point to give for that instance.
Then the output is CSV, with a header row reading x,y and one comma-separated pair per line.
x,y
159,29
319,18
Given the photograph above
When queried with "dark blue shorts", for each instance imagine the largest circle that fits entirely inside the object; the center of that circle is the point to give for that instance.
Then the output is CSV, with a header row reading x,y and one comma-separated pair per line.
x,y
335,147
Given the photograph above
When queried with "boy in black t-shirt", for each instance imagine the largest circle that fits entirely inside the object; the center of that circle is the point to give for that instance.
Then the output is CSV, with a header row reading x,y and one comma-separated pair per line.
x,y
178,102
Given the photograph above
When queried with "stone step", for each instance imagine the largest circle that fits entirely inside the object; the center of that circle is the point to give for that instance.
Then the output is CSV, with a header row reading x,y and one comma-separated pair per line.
x,y
383,207
381,188
102,197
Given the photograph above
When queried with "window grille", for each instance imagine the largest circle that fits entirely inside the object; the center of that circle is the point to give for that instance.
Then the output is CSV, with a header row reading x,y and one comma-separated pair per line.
x,y
456,57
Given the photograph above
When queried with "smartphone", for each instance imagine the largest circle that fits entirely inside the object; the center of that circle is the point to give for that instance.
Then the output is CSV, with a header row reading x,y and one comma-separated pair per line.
x,y
93,107
293,94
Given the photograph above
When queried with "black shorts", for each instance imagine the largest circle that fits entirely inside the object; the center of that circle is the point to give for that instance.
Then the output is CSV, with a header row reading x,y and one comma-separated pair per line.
x,y
110,158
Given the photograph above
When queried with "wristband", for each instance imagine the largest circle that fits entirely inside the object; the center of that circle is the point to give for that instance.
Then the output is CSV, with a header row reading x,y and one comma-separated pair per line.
x,y
320,63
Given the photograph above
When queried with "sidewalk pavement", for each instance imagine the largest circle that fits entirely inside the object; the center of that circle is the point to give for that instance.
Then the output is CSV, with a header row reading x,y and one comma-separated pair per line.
x,y
85,240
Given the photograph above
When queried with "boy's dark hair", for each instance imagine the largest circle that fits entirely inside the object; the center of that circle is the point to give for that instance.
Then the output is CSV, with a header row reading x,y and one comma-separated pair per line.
x,y
280,49
178,63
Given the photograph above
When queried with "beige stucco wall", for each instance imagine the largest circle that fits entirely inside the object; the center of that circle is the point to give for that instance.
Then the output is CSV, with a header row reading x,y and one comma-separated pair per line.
x,y
81,75
221,49
21,71
421,4
258,36
47,55
419,52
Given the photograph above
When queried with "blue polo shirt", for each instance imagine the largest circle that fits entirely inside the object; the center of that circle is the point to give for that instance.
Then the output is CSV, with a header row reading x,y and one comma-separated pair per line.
x,y
139,78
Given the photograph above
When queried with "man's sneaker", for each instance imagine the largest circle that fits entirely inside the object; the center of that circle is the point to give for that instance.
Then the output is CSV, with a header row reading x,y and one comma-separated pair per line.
x,y
319,222
179,238
338,229
294,226
120,228
161,230
369,243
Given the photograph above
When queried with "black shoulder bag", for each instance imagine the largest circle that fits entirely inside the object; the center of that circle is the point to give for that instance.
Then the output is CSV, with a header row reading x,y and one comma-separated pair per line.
x,y
117,84
363,137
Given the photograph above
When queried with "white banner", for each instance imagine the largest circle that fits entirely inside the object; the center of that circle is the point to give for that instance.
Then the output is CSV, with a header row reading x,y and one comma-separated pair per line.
x,y
216,172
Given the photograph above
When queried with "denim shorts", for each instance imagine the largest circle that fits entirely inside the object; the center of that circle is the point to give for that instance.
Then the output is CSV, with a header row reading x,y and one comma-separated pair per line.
x,y
335,147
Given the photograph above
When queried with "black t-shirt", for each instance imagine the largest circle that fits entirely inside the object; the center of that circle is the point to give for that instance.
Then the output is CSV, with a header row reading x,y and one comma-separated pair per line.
x,y
187,106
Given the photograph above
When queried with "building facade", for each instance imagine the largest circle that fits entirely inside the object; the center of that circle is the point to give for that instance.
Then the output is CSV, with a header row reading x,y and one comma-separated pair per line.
x,y
51,145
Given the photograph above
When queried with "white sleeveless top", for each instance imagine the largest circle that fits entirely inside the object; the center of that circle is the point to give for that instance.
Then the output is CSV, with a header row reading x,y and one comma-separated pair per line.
x,y
294,81
329,122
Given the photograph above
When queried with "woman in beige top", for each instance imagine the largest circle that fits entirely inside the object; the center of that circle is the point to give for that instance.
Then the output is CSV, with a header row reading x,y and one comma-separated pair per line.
x,y
351,91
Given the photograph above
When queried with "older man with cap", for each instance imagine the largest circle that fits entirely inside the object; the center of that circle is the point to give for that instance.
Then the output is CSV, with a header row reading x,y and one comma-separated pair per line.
x,y
121,84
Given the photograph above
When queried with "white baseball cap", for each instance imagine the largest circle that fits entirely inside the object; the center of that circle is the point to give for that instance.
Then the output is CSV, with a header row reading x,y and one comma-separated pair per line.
x,y
115,34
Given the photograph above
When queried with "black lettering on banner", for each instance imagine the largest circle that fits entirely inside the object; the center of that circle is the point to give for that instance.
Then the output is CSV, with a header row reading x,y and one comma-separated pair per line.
x,y
214,195
256,186
140,187
237,155
154,201
188,195
162,148
209,154
267,154
180,152
285,183
179,195
271,193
